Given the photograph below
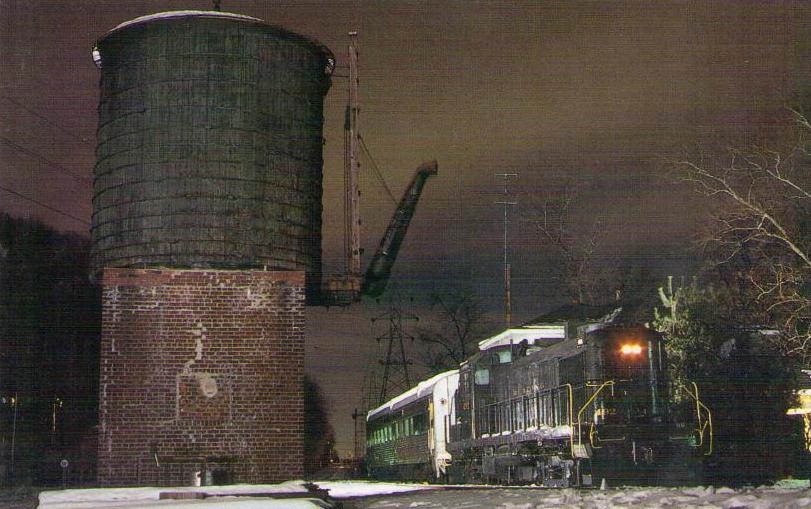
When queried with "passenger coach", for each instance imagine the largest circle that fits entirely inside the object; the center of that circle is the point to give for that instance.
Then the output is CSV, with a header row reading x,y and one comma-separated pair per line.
x,y
407,436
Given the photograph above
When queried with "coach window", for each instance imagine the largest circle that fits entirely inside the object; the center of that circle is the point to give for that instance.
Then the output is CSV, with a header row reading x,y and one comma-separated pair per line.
x,y
420,424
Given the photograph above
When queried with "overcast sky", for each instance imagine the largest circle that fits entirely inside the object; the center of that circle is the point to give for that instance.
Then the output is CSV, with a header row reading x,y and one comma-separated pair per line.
x,y
593,93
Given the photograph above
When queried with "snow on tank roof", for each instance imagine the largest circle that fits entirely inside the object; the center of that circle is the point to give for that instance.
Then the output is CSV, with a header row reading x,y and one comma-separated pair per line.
x,y
209,14
184,14
410,395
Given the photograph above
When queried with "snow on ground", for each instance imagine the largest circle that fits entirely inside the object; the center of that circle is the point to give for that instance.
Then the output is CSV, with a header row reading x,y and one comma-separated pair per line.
x,y
379,495
620,498
346,489
136,498
211,503
149,493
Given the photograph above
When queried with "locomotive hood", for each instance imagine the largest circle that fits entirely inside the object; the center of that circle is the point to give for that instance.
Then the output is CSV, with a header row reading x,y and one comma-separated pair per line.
x,y
564,323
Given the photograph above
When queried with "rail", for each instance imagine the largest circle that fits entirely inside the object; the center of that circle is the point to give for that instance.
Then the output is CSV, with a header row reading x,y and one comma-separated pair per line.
x,y
706,426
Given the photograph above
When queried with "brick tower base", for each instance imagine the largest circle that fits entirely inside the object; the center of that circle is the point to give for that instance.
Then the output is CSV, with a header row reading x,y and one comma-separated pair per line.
x,y
201,371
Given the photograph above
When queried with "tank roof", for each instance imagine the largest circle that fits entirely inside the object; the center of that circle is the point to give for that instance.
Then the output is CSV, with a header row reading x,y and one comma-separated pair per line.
x,y
158,16
184,14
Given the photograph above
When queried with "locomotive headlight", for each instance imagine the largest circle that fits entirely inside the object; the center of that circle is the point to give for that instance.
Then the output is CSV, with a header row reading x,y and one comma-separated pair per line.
x,y
631,349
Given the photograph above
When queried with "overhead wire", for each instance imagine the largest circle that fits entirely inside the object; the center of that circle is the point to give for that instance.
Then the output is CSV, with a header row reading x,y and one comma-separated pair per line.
x,y
43,159
35,155
46,119
377,170
53,209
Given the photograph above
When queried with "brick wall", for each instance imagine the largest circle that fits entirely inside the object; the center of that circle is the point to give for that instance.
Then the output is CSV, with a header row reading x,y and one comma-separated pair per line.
x,y
201,369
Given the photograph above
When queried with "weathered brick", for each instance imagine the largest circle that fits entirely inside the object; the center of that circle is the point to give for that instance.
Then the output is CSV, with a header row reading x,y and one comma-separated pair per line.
x,y
201,369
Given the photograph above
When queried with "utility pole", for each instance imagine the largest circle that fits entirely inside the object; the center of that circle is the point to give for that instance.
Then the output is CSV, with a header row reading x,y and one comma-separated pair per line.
x,y
355,416
351,166
14,403
507,270
396,378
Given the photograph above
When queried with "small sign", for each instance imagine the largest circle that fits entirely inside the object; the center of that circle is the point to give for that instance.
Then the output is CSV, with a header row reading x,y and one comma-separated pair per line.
x,y
64,463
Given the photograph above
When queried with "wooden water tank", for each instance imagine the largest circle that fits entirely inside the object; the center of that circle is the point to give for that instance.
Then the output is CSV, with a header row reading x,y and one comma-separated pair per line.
x,y
209,145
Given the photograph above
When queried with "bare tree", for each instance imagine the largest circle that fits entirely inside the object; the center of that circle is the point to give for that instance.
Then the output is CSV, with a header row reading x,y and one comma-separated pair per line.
x,y
458,325
582,276
762,201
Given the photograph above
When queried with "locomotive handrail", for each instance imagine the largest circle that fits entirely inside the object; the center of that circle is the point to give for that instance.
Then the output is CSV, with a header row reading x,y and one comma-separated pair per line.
x,y
570,412
701,429
600,388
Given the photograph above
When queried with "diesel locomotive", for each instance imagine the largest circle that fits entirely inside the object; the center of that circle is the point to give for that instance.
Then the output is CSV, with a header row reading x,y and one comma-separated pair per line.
x,y
553,404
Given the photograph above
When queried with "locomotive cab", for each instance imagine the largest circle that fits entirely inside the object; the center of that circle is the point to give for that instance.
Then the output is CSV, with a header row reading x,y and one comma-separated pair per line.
x,y
634,366
630,420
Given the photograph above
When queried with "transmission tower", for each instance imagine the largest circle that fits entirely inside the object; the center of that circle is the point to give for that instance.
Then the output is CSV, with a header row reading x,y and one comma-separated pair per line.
x,y
395,366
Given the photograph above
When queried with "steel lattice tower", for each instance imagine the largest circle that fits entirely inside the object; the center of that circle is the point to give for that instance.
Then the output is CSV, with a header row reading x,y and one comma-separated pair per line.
x,y
396,378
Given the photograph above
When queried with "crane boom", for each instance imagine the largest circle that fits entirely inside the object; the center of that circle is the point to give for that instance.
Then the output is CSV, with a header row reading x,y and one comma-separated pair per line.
x,y
377,275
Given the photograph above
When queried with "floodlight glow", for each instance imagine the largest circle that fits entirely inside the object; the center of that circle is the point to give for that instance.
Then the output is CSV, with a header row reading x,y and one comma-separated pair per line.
x,y
631,349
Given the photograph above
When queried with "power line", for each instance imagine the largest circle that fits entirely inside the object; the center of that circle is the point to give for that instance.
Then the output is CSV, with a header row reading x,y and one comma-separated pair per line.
x,y
15,193
377,170
45,160
46,119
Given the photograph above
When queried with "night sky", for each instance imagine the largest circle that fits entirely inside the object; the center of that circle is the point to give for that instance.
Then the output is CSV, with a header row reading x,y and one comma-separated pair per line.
x,y
597,94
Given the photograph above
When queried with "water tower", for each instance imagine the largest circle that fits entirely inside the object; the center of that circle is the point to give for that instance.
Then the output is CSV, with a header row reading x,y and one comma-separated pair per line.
x,y
206,239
